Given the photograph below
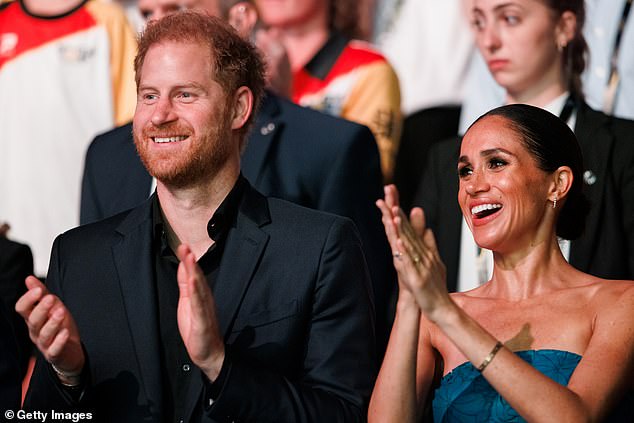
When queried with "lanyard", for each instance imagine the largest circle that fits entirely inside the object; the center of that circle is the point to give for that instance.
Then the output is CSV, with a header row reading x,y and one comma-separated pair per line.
x,y
613,81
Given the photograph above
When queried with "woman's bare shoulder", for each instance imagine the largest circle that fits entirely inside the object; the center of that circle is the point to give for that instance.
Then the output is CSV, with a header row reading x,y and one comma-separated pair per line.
x,y
610,293
610,289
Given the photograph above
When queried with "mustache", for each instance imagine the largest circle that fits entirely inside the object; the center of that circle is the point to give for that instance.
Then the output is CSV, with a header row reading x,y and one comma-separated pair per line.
x,y
166,130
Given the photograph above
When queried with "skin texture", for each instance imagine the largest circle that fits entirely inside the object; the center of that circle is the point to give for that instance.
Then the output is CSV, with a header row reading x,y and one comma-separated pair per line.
x,y
302,25
191,110
487,153
156,9
533,294
286,14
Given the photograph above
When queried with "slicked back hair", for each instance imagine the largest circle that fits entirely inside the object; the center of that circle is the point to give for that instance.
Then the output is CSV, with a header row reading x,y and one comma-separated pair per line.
x,y
552,144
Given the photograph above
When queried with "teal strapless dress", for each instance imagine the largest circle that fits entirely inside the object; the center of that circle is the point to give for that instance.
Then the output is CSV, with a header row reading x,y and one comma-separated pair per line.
x,y
464,395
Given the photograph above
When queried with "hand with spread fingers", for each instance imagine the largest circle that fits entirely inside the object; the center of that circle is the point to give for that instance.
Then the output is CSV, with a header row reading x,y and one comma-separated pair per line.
x,y
53,331
416,258
196,313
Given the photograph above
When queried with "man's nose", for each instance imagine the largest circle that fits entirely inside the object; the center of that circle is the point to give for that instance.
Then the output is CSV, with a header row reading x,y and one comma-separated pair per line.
x,y
163,112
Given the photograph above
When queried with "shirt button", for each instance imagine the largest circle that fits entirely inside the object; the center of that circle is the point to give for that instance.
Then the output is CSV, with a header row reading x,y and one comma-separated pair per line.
x,y
186,367
599,71
598,31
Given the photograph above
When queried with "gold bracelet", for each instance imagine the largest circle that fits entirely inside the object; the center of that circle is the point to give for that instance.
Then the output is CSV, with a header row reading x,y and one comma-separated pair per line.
x,y
490,357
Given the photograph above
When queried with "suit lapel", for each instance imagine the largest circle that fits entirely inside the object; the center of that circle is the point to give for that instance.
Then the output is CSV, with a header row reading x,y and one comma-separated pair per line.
x,y
245,245
596,145
266,130
133,260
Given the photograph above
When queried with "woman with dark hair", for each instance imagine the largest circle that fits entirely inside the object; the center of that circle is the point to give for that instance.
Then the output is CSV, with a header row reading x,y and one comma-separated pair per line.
x,y
541,340
535,50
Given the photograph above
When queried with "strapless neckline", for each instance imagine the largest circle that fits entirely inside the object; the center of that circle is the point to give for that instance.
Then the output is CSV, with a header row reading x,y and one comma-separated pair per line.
x,y
464,395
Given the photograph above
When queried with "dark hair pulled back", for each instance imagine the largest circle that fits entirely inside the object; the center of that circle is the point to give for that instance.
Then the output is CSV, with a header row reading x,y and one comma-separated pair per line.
x,y
574,54
552,144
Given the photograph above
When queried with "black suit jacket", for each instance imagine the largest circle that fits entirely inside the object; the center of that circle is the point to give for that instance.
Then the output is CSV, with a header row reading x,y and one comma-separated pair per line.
x,y
16,263
606,249
294,153
293,302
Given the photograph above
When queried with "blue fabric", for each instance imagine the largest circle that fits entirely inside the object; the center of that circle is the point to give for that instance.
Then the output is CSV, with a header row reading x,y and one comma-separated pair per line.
x,y
464,395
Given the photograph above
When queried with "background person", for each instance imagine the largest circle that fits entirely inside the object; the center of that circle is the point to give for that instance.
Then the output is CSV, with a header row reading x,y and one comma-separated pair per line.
x,y
334,73
65,75
609,32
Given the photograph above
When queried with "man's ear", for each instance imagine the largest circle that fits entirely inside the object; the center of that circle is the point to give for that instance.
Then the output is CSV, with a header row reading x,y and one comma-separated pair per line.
x,y
242,17
242,107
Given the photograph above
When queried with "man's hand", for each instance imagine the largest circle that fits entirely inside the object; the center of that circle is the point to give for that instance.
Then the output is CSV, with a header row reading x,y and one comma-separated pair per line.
x,y
53,330
197,322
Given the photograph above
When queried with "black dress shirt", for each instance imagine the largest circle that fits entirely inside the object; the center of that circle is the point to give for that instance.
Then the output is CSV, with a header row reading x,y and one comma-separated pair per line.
x,y
176,364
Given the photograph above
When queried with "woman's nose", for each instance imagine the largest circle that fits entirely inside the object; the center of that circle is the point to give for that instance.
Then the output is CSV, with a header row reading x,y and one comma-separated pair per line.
x,y
477,183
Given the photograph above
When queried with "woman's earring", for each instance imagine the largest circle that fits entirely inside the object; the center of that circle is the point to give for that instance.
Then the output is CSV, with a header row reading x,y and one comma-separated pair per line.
x,y
555,202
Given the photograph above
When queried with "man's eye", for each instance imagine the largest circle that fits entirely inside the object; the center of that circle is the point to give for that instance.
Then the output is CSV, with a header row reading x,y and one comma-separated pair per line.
x,y
184,95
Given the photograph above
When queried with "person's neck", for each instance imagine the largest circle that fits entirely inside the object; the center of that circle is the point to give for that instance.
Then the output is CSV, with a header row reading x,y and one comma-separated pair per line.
x,y
187,210
50,7
302,42
536,268
539,95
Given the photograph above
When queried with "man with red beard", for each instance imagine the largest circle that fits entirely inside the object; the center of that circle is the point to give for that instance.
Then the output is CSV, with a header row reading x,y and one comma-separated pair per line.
x,y
209,302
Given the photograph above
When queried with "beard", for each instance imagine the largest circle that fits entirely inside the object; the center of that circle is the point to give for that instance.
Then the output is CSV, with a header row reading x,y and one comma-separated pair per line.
x,y
203,156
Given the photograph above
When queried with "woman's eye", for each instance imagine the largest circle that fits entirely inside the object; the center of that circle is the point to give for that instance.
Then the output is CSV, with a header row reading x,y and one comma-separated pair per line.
x,y
496,163
478,23
511,19
464,171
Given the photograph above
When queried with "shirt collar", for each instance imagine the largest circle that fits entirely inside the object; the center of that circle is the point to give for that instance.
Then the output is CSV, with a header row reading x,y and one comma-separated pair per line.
x,y
322,62
557,105
218,226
